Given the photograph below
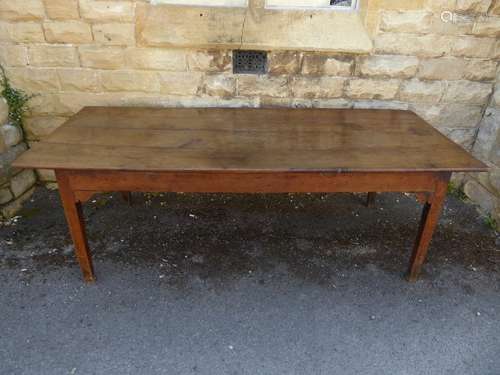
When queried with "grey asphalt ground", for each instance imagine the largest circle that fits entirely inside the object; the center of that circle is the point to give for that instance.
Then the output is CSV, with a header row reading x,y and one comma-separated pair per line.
x,y
228,284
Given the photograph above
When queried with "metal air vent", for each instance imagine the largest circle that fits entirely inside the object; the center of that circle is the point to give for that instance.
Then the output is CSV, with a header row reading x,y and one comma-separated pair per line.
x,y
249,62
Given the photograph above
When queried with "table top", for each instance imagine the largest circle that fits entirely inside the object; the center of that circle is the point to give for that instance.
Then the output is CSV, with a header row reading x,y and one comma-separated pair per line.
x,y
247,139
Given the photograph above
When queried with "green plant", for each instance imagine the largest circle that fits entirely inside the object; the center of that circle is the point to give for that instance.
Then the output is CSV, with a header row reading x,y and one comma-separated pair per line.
x,y
456,192
490,222
17,100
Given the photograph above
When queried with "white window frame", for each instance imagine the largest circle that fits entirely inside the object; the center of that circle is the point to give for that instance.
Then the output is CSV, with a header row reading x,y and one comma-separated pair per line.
x,y
354,6
204,3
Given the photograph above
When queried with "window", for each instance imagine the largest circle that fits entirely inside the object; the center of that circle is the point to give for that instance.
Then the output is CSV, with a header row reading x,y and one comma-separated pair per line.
x,y
323,4
215,3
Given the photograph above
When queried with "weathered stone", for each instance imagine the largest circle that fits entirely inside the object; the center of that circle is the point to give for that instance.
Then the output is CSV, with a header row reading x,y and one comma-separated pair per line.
x,y
38,127
470,46
46,175
11,135
380,104
421,91
209,61
406,21
25,32
220,85
62,9
489,132
5,195
388,66
22,181
476,6
463,137
440,4
494,179
317,87
480,195
114,34
182,83
467,92
480,70
52,56
411,44
34,80
102,57
4,111
373,89
444,68
156,59
13,55
284,62
79,79
487,26
496,97
76,32
120,11
453,24
321,64
254,85
9,210
459,116
323,103
26,10
495,8
123,80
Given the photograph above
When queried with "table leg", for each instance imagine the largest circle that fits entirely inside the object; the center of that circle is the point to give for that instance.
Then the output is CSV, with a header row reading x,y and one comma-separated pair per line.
x,y
430,216
127,197
74,217
370,199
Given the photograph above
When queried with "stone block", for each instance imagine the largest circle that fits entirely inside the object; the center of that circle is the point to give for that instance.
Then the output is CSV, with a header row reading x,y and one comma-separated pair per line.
x,y
473,6
471,46
489,132
444,68
21,182
487,26
495,8
34,80
458,116
284,62
388,66
480,70
317,87
11,135
380,104
102,57
463,137
114,34
373,89
321,64
126,80
156,59
406,21
254,85
13,55
5,195
430,45
79,80
62,9
107,11
75,32
53,56
480,195
4,111
210,61
9,210
24,32
467,92
181,83
25,10
38,127
46,175
422,91
220,85
7,157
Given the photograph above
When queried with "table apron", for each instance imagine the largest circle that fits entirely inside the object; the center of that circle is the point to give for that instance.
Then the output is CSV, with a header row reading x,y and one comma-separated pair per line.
x,y
252,182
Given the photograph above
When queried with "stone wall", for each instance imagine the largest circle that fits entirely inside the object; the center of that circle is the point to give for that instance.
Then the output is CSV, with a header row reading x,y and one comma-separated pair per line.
x,y
16,185
441,65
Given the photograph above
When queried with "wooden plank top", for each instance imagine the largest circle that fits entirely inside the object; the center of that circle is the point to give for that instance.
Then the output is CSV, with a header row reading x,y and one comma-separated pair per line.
x,y
247,139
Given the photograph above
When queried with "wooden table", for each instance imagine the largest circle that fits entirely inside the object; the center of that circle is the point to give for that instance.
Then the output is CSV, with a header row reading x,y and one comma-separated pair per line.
x,y
248,151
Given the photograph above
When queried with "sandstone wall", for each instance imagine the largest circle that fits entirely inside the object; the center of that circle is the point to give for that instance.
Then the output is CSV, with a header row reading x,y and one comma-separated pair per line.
x,y
103,52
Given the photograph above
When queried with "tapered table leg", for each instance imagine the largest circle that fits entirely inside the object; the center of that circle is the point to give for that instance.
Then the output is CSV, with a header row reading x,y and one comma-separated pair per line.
x,y
74,217
370,199
127,197
430,216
